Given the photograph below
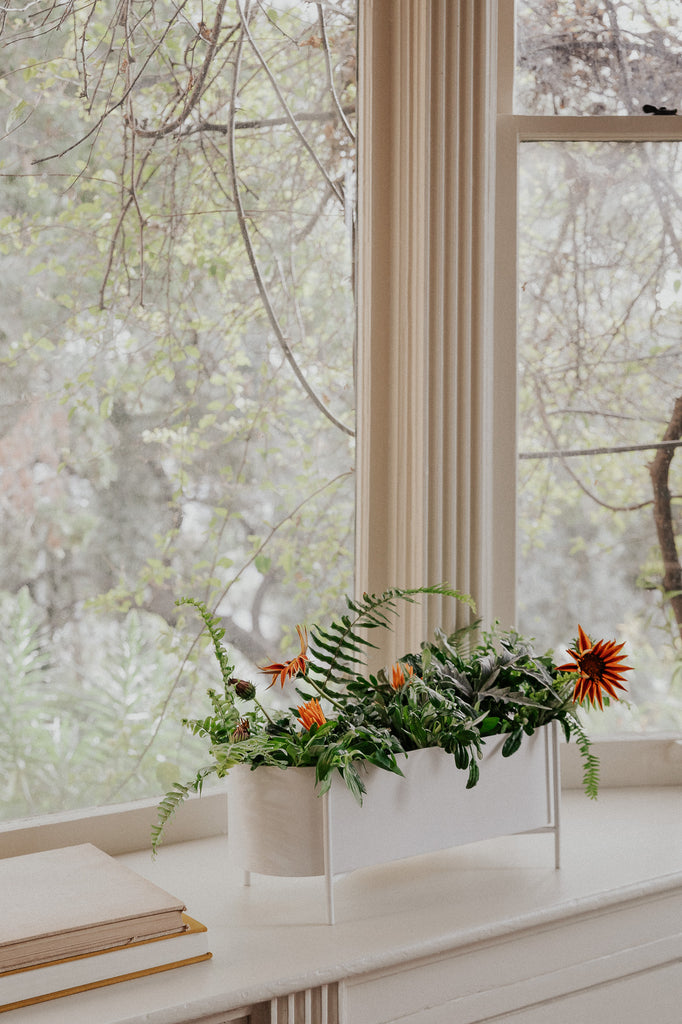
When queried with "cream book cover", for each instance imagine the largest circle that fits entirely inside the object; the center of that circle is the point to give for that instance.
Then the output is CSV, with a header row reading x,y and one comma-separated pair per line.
x,y
77,899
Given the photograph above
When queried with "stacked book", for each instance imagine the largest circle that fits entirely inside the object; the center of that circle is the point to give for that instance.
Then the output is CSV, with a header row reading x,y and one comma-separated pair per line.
x,y
76,919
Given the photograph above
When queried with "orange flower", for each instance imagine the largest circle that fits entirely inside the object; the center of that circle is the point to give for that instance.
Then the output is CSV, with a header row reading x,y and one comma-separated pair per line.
x,y
398,679
600,667
284,670
311,714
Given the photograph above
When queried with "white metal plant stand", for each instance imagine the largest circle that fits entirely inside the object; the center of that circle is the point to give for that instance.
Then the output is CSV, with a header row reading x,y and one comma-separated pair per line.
x,y
278,825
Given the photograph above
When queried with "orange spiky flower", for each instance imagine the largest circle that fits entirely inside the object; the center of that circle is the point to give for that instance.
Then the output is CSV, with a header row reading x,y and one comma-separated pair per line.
x,y
283,670
398,679
600,666
311,714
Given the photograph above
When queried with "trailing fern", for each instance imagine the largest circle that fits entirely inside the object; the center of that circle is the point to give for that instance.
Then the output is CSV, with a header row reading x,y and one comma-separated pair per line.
x,y
172,800
589,759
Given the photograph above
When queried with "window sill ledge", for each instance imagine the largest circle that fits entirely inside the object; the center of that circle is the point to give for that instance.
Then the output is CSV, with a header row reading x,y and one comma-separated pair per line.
x,y
633,761
614,906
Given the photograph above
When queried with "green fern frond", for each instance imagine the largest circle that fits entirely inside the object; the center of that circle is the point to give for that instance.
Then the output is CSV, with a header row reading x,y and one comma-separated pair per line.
x,y
216,633
589,759
336,650
172,800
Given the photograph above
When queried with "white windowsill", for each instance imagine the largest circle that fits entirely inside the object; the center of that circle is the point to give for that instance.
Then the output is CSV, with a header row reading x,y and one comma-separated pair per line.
x,y
620,855
625,762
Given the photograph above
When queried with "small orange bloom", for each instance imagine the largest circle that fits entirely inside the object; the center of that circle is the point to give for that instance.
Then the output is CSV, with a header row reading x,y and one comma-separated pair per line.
x,y
283,670
600,666
311,714
398,679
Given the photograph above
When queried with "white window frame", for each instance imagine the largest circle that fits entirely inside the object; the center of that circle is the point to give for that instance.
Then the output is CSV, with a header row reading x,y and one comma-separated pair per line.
x,y
436,471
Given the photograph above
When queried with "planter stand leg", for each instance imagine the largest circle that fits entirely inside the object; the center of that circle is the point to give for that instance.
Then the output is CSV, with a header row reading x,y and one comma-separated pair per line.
x,y
247,878
328,864
329,883
556,786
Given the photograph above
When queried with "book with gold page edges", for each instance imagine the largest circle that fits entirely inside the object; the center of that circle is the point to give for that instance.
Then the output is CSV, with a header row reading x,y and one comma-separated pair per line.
x,y
70,975
76,900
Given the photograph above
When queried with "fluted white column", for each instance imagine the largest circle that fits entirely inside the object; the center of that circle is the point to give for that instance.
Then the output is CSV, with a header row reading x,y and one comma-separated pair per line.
x,y
425,423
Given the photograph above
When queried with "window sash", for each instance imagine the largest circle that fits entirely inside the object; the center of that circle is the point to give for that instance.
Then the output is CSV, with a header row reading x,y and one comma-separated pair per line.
x,y
657,759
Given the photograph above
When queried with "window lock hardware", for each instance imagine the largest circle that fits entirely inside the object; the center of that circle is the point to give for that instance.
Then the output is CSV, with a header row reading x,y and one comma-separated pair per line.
x,y
648,108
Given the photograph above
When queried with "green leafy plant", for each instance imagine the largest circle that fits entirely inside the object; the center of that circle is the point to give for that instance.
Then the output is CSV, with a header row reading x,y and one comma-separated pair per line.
x,y
455,693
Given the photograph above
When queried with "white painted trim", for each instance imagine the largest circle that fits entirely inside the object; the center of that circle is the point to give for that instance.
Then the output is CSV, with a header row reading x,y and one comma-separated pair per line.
x,y
625,762
122,828
536,964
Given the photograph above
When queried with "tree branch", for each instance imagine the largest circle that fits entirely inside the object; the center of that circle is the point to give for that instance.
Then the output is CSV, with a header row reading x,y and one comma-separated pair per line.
x,y
285,106
330,73
663,518
574,476
265,122
567,453
197,88
253,262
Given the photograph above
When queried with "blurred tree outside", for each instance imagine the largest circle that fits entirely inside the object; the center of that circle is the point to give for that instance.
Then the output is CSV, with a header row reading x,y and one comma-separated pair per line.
x,y
176,383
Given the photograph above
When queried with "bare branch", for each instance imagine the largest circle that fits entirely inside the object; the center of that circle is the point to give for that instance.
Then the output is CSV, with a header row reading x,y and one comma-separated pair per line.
x,y
118,104
569,453
255,268
333,7
197,89
285,106
266,122
330,72
574,476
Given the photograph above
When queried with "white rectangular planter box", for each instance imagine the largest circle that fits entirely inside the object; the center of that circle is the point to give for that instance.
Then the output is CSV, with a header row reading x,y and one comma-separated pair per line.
x,y
279,825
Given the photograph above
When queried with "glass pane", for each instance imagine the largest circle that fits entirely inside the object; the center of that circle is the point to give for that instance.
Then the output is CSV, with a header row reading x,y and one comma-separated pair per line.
x,y
176,376
601,374
597,58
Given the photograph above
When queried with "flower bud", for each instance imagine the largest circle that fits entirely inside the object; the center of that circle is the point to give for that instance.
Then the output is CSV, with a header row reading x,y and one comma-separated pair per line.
x,y
242,732
244,689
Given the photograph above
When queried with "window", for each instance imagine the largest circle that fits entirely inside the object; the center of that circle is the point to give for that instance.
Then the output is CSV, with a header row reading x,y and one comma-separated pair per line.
x,y
437,299
600,360
176,343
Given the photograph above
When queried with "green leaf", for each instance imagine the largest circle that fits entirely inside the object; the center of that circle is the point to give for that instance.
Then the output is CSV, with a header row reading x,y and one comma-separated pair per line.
x,y
474,774
512,743
262,564
19,112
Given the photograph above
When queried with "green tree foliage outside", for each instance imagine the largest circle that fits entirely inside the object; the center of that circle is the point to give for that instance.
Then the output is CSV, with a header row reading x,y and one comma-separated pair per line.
x,y
176,353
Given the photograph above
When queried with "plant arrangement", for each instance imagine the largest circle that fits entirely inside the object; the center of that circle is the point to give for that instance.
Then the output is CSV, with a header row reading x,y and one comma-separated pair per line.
x,y
455,693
